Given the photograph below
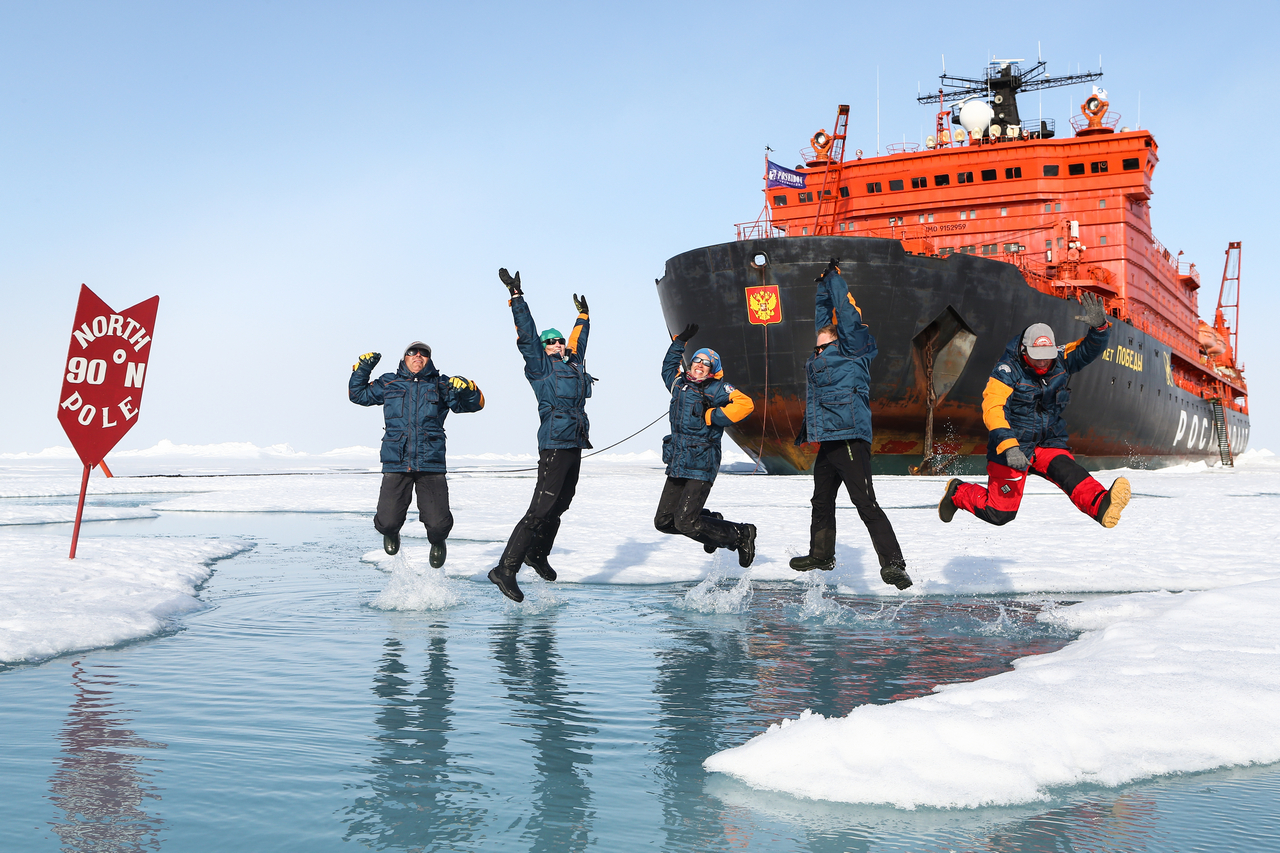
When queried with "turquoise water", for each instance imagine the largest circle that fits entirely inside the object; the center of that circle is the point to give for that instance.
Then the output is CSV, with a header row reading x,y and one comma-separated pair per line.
x,y
292,715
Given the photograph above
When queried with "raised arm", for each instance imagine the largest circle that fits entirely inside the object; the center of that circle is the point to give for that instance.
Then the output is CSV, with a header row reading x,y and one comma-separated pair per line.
x,y
1079,353
577,343
535,360
671,365
359,389
854,336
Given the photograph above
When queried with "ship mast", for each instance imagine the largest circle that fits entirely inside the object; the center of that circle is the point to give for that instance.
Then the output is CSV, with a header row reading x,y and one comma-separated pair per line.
x,y
1003,81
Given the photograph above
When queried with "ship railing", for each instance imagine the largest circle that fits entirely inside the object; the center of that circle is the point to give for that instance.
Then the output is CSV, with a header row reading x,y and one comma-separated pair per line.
x,y
758,230
902,147
1081,122
1162,252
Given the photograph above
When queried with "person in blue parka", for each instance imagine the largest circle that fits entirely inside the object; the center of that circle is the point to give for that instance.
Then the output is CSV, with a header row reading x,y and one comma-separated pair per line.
x,y
837,417
555,367
1022,407
415,401
702,405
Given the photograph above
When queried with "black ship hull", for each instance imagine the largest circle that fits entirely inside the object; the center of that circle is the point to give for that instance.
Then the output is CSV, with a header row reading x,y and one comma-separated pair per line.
x,y
940,322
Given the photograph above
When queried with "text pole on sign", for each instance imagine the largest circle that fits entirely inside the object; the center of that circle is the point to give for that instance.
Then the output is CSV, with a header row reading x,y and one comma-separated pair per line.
x,y
102,380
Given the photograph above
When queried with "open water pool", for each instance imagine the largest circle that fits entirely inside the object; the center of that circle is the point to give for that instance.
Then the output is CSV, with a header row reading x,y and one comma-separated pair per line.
x,y
293,714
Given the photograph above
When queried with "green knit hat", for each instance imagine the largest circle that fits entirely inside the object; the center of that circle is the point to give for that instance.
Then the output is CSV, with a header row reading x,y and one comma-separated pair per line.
x,y
548,335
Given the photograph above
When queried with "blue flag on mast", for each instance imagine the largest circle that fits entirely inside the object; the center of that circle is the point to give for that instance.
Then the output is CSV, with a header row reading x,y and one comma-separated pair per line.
x,y
781,176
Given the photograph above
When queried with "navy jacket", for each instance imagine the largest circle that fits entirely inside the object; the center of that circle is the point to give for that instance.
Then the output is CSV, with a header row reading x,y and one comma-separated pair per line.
x,y
414,407
838,397
1024,409
562,386
699,413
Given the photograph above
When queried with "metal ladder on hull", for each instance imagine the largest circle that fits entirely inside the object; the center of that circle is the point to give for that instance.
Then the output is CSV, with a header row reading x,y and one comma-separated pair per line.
x,y
1220,430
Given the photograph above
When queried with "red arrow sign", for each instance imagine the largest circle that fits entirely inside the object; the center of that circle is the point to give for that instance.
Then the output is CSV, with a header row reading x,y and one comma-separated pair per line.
x,y
104,373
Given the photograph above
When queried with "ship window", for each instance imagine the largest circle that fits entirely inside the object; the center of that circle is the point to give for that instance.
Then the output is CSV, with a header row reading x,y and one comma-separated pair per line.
x,y
973,214
1059,242
894,186
1075,168
1102,202
989,249
930,217
826,192
941,180
803,197
946,250
967,250
1102,241
1048,244
919,183
1048,208
1097,167
988,174
844,192
1051,171
780,200
963,215
1057,206
841,226
920,218
1130,163
873,186
1004,211
964,177
1015,172
1014,247
804,230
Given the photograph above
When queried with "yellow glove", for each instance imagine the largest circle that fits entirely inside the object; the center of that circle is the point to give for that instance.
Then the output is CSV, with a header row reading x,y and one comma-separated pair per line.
x,y
460,383
368,360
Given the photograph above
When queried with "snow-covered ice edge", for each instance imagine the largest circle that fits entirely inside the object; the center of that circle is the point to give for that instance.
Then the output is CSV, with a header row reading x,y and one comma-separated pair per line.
x,y
114,591
1160,683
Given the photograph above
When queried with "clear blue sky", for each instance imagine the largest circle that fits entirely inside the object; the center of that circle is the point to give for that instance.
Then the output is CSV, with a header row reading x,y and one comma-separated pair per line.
x,y
304,182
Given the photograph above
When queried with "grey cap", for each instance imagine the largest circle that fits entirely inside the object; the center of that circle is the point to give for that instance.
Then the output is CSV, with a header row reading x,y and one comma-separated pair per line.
x,y
1038,341
418,345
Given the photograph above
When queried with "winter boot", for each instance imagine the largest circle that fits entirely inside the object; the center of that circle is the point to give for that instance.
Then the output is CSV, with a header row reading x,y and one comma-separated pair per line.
x,y
710,547
438,553
504,578
391,542
544,535
895,574
1113,503
947,506
746,546
822,551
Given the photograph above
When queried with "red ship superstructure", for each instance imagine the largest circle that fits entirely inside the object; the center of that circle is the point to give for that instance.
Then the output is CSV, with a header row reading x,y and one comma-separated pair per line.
x,y
1073,213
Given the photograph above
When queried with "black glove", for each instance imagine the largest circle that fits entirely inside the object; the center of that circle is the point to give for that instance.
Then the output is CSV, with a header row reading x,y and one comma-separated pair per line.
x,y
368,360
1015,458
1094,314
580,302
832,266
689,331
513,284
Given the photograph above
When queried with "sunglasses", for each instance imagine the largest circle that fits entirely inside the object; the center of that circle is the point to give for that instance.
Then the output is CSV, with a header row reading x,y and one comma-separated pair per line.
x,y
549,341
820,347
418,352
701,360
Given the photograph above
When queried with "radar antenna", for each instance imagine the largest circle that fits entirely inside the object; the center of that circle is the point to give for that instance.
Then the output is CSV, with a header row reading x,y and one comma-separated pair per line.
x,y
1003,80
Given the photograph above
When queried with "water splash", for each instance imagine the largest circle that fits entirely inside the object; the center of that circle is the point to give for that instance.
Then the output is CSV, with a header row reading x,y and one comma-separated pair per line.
x,y
710,597
817,606
411,588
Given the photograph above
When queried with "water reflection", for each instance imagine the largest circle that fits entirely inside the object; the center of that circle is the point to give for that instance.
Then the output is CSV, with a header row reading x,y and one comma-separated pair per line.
x,y
1122,823
562,815
418,799
100,785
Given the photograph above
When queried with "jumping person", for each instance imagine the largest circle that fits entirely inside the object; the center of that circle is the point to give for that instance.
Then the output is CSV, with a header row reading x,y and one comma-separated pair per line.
x,y
702,405
555,368
415,401
1022,407
837,416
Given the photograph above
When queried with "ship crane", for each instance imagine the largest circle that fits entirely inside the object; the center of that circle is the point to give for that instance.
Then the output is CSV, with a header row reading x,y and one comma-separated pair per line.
x,y
1003,81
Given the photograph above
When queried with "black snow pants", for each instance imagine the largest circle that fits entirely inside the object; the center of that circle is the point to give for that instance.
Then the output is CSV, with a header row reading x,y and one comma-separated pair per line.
x,y
680,510
535,533
849,462
433,504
